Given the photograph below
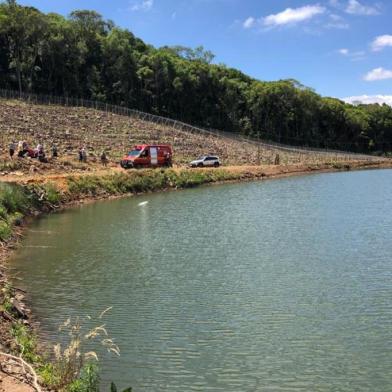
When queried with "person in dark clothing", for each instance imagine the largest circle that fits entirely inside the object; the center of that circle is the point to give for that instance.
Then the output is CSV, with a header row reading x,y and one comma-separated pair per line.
x,y
54,151
84,155
104,158
41,154
81,154
12,149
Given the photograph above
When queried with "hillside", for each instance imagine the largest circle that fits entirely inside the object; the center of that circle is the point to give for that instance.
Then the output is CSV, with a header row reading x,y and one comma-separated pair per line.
x,y
86,56
70,128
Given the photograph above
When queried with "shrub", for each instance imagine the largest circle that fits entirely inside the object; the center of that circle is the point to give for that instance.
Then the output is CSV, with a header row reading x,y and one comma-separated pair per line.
x,y
88,380
53,195
73,367
48,375
13,198
26,341
5,231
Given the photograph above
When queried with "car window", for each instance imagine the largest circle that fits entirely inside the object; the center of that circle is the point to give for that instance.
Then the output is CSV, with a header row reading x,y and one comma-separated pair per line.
x,y
144,154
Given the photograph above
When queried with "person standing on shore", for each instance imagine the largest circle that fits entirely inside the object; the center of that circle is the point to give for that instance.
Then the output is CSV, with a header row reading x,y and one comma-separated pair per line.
x,y
20,149
104,158
12,149
83,154
54,151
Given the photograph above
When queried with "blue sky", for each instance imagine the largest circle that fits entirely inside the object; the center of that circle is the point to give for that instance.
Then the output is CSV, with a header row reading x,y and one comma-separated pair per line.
x,y
341,48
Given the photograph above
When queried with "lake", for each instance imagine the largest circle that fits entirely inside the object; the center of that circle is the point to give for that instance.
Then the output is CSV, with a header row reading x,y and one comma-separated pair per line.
x,y
278,285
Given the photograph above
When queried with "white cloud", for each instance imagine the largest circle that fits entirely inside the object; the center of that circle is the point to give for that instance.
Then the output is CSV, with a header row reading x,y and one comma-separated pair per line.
x,y
381,42
293,15
356,8
368,99
352,55
248,23
378,74
337,22
142,5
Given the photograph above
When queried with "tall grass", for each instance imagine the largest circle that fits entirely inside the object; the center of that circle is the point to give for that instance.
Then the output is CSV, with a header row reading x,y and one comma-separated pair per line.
x,y
144,181
72,367
14,203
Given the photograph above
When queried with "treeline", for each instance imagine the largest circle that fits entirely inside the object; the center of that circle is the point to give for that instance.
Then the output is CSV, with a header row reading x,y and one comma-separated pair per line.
x,y
86,56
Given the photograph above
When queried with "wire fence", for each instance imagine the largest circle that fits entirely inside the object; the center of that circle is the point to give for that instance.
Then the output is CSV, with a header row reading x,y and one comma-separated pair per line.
x,y
181,126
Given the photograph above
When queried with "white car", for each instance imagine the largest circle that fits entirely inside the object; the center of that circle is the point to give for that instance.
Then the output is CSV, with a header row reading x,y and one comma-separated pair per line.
x,y
206,161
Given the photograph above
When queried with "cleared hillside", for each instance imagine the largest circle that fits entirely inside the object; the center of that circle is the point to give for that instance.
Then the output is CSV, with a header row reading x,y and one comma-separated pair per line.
x,y
70,128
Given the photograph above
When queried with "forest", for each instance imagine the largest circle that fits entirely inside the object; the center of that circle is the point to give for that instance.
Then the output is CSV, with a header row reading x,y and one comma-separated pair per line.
x,y
84,55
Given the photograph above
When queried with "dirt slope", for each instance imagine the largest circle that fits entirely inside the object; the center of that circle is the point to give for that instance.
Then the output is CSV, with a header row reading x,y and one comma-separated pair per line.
x,y
69,128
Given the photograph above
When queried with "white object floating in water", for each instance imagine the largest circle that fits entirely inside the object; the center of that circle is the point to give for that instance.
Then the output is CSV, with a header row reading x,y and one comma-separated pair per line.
x,y
143,203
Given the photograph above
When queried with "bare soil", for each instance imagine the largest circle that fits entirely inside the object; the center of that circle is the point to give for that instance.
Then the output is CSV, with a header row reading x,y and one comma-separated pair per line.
x,y
69,128
13,384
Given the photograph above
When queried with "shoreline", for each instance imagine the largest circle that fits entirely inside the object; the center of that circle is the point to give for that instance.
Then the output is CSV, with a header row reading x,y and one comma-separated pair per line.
x,y
60,192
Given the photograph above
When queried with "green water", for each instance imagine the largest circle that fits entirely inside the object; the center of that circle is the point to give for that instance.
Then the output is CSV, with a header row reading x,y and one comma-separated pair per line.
x,y
281,285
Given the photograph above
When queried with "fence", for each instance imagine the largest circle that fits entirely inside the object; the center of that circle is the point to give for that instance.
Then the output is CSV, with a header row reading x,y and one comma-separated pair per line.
x,y
179,125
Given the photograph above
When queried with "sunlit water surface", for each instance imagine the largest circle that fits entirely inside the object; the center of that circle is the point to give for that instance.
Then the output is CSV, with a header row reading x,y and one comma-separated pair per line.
x,y
282,285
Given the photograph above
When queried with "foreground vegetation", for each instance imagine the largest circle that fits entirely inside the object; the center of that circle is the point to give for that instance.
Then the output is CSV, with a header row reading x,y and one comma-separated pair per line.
x,y
86,56
71,369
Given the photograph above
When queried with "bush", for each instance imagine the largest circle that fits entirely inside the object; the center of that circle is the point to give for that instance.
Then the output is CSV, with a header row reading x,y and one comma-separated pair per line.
x,y
3,212
88,380
5,231
48,375
26,342
53,195
13,198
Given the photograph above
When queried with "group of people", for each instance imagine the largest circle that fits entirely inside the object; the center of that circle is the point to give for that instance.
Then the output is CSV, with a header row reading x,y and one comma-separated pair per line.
x,y
83,156
22,150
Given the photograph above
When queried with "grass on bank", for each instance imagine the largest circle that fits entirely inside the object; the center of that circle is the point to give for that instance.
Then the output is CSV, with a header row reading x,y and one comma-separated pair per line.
x,y
145,181
18,201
